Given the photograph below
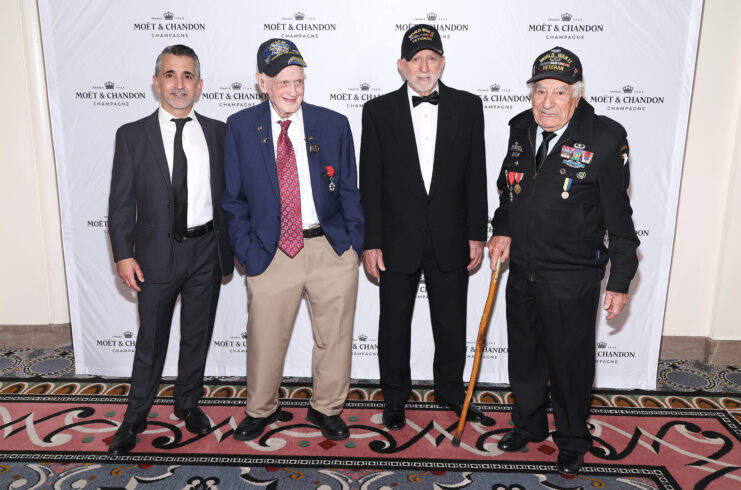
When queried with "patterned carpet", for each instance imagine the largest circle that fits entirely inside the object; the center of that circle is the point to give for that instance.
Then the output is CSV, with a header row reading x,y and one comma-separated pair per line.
x,y
673,375
685,435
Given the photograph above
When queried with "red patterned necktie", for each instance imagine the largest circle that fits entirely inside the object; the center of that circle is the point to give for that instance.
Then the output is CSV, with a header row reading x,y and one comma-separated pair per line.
x,y
291,230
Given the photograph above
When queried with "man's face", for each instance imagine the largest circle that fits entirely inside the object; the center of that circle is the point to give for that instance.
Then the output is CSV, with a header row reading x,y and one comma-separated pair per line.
x,y
553,103
178,84
285,90
423,71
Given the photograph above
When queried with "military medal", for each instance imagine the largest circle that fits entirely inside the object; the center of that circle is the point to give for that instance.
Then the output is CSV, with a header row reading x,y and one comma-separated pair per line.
x,y
581,175
314,148
562,171
330,174
518,178
566,187
511,180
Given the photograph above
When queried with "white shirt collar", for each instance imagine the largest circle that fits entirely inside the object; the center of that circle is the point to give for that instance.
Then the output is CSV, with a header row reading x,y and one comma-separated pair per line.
x,y
165,117
411,93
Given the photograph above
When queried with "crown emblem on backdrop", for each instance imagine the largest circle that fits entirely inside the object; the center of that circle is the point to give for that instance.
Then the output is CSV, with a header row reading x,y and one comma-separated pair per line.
x,y
244,335
365,86
237,85
168,15
628,89
495,87
362,338
299,16
109,85
128,335
432,16
566,17
602,344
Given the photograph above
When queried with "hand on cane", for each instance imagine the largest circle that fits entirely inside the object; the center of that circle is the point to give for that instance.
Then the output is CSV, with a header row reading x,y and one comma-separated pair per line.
x,y
498,246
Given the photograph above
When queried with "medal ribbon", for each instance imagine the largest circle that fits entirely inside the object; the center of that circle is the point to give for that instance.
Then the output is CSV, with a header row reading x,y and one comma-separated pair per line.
x,y
567,184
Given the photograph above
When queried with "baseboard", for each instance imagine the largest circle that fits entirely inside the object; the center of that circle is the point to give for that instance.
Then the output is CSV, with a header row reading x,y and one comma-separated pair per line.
x,y
702,349
690,348
35,336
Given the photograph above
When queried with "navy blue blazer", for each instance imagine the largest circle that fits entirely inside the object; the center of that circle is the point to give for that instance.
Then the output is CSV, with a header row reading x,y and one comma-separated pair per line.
x,y
252,199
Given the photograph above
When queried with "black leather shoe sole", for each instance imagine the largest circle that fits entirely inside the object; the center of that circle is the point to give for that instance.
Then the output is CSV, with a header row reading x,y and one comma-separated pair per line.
x,y
192,423
512,442
339,433
124,444
394,418
569,464
255,429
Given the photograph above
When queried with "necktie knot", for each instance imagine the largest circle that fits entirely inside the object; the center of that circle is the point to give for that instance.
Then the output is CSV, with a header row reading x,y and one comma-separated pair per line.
x,y
432,98
284,125
180,122
543,148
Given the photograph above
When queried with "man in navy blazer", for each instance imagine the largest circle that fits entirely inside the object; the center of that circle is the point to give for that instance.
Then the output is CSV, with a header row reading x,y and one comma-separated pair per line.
x,y
296,225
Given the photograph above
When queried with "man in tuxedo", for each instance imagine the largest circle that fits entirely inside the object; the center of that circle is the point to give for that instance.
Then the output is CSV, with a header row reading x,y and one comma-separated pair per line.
x,y
168,235
296,224
553,231
423,182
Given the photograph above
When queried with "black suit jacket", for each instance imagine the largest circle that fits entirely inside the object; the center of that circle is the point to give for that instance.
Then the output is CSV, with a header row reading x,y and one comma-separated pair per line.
x,y
398,209
140,202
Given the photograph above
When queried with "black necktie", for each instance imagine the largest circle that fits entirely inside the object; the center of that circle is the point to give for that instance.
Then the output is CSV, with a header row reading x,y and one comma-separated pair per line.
x,y
543,148
433,99
179,182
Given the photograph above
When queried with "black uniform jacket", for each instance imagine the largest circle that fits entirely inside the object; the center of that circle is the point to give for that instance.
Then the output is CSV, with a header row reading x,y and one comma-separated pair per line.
x,y
398,210
140,202
557,216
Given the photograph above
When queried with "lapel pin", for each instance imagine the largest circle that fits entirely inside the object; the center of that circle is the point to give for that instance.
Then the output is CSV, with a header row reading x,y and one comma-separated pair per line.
x,y
264,140
259,128
314,148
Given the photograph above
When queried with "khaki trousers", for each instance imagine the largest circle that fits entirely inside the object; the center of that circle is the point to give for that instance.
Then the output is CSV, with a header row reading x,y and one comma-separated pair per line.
x,y
330,283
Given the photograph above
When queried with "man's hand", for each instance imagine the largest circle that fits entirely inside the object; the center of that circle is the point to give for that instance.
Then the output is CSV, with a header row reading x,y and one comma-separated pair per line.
x,y
373,261
476,253
614,303
127,269
498,246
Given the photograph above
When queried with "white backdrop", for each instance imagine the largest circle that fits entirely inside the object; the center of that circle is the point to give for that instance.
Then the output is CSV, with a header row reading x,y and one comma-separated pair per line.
x,y
638,60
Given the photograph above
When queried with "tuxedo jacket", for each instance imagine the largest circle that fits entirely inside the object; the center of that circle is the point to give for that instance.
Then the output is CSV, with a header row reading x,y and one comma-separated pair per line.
x,y
140,203
398,210
252,196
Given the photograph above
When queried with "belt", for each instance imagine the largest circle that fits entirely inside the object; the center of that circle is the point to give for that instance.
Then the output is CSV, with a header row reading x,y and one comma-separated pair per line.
x,y
313,232
197,231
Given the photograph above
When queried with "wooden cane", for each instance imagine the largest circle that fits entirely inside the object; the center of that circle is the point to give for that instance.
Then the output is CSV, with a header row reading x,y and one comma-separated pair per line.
x,y
477,356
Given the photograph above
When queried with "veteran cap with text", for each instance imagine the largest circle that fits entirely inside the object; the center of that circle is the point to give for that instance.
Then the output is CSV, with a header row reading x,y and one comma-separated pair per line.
x,y
275,54
419,37
558,63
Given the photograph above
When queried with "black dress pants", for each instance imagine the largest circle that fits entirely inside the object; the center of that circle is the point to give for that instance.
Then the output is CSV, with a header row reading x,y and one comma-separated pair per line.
x,y
447,292
197,279
551,336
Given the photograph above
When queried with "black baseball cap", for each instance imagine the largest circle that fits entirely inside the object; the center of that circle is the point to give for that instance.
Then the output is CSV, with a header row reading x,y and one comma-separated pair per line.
x,y
558,63
275,54
419,37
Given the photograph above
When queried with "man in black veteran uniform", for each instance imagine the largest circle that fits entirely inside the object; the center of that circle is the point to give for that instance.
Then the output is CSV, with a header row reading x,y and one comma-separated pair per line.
x,y
563,183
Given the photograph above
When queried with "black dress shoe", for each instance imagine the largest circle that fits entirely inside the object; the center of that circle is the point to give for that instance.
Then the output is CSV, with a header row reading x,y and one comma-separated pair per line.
x,y
511,442
195,420
568,463
252,427
473,415
393,416
124,439
332,426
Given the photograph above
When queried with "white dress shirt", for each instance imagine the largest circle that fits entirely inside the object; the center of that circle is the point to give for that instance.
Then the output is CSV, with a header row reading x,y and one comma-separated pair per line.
x,y
539,137
424,120
200,207
309,217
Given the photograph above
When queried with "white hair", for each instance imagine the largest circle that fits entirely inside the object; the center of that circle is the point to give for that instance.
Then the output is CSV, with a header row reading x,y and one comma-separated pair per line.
x,y
577,88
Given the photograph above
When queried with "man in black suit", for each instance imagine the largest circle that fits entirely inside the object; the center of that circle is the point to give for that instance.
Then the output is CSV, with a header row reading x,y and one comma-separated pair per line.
x,y
423,185
168,235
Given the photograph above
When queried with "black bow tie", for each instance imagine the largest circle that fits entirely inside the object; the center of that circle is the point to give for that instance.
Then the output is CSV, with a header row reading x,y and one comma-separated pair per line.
x,y
433,99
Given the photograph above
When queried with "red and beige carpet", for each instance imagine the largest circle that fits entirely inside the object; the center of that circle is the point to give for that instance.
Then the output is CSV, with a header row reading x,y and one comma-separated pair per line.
x,y
54,434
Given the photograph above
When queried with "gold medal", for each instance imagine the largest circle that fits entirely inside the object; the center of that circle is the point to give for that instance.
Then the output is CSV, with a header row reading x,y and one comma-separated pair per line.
x,y
517,188
564,195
